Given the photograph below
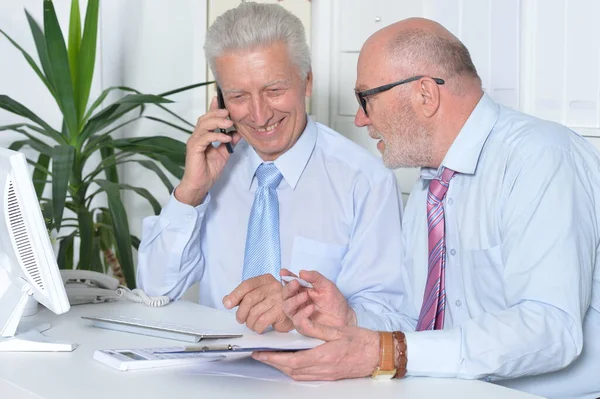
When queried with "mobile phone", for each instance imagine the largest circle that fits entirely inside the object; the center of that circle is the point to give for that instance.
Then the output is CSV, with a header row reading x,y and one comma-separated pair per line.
x,y
221,103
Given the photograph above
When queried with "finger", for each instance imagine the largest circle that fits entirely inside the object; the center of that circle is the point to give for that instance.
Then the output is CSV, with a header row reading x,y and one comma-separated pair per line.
x,y
281,359
214,104
251,300
318,281
235,136
201,142
286,272
274,316
211,121
234,298
293,305
261,311
306,326
290,289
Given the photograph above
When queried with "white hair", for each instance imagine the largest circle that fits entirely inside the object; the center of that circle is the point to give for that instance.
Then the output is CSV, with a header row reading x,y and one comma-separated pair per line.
x,y
252,25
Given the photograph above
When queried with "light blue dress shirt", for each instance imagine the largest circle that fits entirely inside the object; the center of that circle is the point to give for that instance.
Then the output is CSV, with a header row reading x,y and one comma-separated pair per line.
x,y
522,245
339,213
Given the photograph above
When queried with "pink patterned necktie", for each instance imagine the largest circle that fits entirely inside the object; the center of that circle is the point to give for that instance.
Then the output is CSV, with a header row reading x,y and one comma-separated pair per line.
x,y
434,298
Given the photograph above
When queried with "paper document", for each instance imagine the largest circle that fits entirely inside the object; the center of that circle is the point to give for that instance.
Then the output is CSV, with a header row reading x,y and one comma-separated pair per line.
x,y
245,367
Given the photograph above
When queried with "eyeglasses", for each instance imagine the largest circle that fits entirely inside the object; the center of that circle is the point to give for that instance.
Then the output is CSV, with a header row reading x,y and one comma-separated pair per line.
x,y
361,96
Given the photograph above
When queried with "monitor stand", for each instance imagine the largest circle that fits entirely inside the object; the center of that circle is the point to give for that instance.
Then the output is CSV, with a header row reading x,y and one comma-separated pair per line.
x,y
16,336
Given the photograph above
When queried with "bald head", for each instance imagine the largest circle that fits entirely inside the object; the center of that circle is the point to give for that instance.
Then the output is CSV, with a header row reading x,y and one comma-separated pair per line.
x,y
419,46
416,119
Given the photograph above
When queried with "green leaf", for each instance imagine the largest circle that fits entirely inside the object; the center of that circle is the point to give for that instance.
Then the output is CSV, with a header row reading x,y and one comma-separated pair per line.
x,y
73,49
17,127
121,231
169,124
43,149
62,164
98,141
17,108
103,96
105,234
173,168
97,264
87,56
40,44
30,61
143,99
139,190
185,88
57,53
156,169
115,111
46,206
86,237
65,252
110,170
40,173
162,145
135,242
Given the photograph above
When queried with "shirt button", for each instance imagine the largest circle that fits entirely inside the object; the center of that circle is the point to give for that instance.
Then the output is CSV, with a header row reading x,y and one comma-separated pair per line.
x,y
450,201
458,303
190,216
453,252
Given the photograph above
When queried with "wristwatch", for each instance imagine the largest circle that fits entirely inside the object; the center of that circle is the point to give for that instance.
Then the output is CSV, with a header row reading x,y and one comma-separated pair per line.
x,y
386,369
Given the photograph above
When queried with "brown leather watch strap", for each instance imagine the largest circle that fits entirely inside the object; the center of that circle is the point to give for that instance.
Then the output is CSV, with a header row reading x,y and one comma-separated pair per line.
x,y
401,359
386,355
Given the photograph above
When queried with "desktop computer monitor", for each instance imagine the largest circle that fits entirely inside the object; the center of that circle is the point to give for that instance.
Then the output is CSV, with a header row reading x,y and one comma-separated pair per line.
x,y
27,262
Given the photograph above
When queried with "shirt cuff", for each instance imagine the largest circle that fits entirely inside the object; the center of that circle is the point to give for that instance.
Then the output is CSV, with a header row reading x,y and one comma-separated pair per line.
x,y
433,353
180,214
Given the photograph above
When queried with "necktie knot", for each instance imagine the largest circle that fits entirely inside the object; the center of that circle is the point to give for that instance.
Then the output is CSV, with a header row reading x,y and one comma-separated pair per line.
x,y
268,175
438,187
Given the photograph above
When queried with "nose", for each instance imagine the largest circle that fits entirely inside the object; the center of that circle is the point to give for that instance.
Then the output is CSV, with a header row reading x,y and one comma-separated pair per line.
x,y
260,111
361,119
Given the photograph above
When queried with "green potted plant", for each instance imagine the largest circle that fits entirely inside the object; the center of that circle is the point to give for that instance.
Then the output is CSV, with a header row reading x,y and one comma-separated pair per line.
x,y
87,129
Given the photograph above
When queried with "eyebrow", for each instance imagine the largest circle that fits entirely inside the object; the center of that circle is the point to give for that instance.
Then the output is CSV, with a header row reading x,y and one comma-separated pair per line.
x,y
360,88
269,84
273,83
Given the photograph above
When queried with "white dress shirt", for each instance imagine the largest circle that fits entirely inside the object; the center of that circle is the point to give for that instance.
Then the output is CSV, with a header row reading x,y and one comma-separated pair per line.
x,y
522,248
339,214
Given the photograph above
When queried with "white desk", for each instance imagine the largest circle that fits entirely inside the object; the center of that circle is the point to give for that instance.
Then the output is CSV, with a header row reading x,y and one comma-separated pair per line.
x,y
77,375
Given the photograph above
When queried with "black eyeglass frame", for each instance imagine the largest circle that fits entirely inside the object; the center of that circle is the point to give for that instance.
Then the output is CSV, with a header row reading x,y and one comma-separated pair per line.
x,y
362,95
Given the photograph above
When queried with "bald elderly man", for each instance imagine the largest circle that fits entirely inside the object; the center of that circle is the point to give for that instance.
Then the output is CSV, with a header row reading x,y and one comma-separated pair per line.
x,y
502,232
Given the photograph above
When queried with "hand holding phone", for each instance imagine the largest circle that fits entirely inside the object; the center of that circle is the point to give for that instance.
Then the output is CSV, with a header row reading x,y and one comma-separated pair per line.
x,y
221,104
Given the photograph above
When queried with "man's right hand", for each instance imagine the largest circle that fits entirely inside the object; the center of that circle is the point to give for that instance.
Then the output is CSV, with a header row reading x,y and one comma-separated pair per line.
x,y
330,306
203,162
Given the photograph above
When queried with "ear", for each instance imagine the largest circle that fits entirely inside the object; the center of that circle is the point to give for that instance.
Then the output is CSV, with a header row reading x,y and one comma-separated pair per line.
x,y
429,97
309,82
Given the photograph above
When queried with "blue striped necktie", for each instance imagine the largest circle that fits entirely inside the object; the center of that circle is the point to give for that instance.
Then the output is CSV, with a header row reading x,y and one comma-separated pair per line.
x,y
263,252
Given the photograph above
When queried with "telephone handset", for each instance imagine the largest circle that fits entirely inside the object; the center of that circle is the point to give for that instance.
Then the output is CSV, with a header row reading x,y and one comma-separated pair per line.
x,y
85,286
221,105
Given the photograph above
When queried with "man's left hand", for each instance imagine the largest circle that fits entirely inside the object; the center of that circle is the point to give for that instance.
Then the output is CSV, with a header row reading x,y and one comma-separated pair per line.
x,y
259,302
350,352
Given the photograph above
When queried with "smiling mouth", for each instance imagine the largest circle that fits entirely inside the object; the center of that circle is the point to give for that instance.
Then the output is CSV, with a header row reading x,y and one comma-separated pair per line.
x,y
268,128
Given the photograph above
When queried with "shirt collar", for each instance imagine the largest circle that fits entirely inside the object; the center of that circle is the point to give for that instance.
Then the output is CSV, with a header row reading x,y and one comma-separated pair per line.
x,y
464,152
291,163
